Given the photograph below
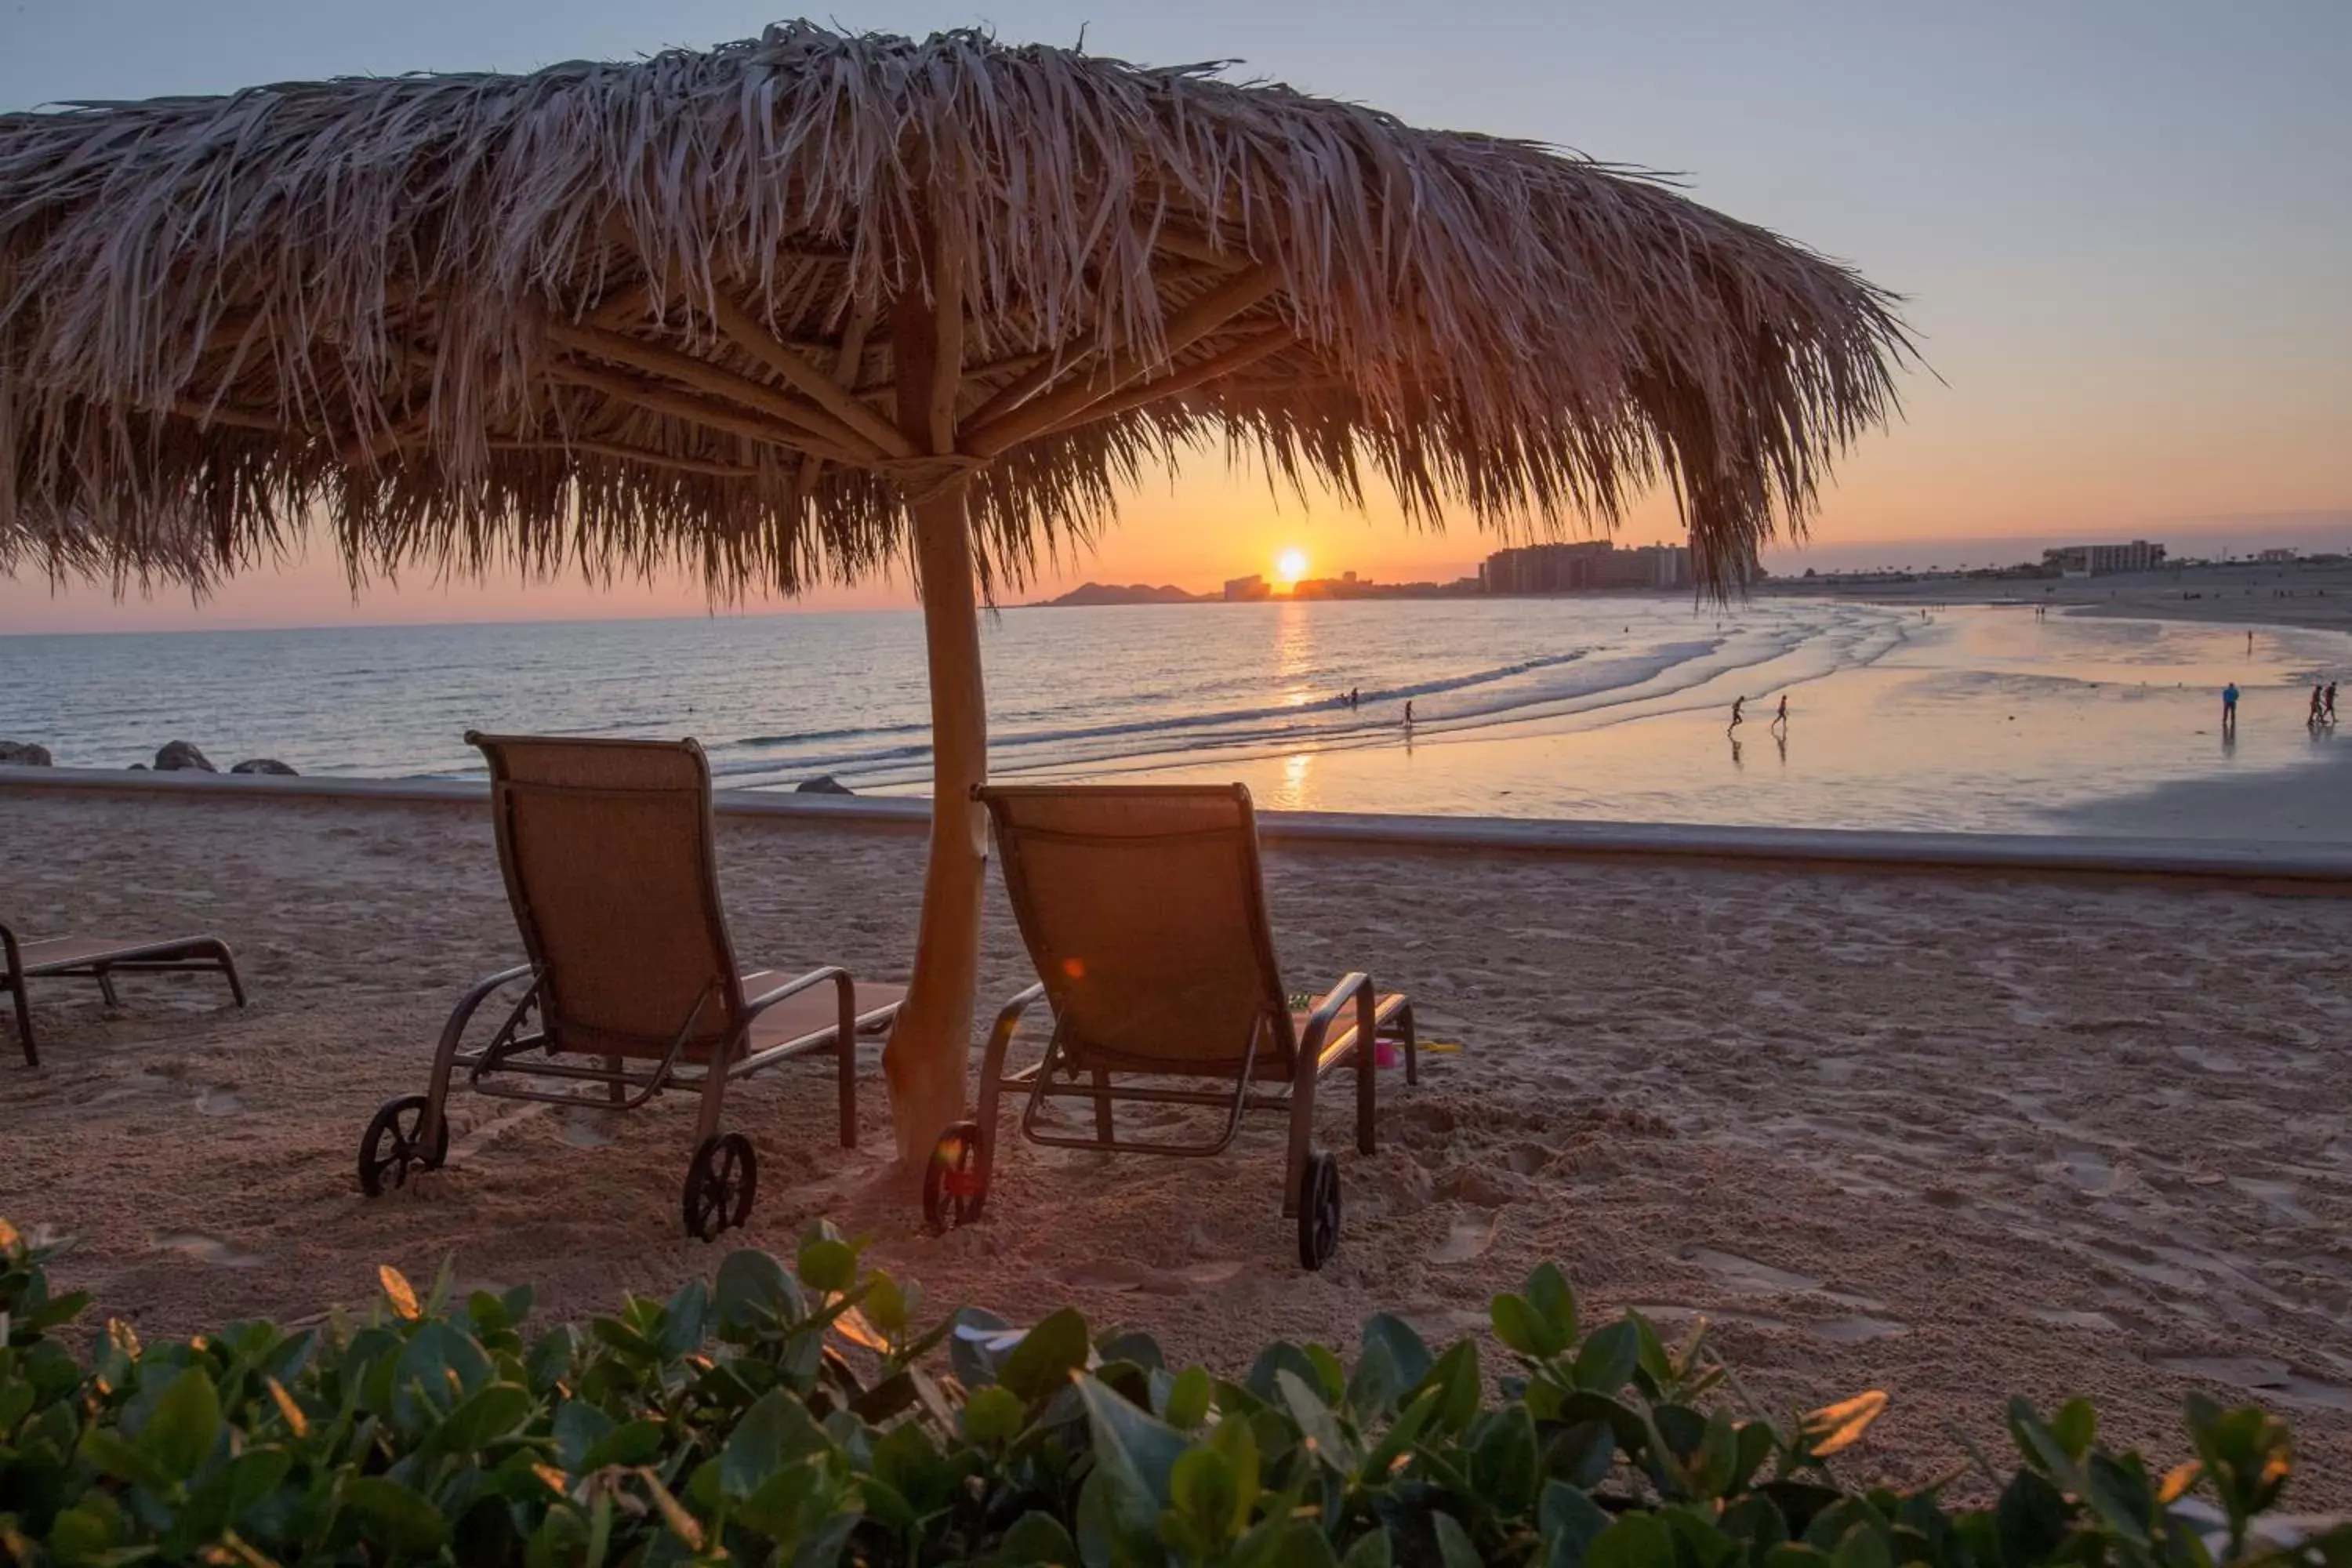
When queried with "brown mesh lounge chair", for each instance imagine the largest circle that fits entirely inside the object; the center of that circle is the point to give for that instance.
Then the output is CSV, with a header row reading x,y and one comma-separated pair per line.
x,y
631,985
101,959
1144,911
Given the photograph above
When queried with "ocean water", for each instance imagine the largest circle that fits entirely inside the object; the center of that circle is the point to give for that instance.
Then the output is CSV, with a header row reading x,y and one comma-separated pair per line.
x,y
1614,708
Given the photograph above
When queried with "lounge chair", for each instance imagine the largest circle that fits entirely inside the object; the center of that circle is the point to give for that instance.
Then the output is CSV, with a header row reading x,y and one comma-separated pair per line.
x,y
611,868
101,958
1144,911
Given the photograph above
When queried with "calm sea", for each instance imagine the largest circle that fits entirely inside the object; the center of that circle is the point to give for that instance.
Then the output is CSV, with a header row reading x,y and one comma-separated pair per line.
x,y
1608,708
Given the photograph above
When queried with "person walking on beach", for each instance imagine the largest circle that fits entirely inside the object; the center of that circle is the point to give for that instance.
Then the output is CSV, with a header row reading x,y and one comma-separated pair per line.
x,y
1354,696
2327,708
1738,714
1780,719
1407,713
2229,707
2319,700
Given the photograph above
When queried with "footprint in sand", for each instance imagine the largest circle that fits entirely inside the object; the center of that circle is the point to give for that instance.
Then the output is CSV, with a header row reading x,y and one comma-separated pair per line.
x,y
2065,1317
208,1249
1670,1312
1761,1279
1112,1274
216,1099
1856,1330
1470,1235
2263,1375
580,1130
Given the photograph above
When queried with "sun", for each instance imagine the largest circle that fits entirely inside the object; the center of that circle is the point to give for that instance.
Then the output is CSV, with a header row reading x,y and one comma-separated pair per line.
x,y
1290,566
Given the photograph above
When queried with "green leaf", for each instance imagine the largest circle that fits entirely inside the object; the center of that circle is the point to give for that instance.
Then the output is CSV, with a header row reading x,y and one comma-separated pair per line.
x,y
1523,1329
1131,1440
1455,1374
1455,1547
1635,1540
776,1430
1404,1344
826,1265
181,1431
994,1414
1037,1540
1864,1546
1317,1427
1040,1366
1569,1522
685,1319
1372,1550
578,1427
1188,1399
2031,1518
1503,1464
2077,1427
1606,1362
1554,1299
752,1292
397,1515
492,1412
1203,1490
107,1450
629,1444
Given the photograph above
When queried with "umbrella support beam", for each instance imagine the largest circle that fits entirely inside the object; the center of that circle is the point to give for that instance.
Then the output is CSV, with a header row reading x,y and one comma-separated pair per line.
x,y
928,1054
926,1058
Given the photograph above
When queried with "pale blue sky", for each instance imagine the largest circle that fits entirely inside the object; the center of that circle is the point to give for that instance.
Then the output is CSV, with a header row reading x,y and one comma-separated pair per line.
x,y
2126,226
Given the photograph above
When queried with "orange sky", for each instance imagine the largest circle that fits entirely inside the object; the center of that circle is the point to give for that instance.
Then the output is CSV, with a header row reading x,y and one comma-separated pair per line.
x,y
2124,229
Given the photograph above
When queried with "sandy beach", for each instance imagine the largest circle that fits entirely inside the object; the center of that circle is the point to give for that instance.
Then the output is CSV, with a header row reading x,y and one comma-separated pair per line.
x,y
1952,1137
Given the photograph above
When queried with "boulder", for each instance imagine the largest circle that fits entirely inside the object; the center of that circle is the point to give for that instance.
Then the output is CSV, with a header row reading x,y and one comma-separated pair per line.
x,y
264,766
179,756
823,784
24,754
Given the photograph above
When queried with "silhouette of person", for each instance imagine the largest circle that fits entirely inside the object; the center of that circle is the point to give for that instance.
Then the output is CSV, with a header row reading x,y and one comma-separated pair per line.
x,y
2328,706
2319,700
1353,696
1407,713
1780,719
1739,715
2229,707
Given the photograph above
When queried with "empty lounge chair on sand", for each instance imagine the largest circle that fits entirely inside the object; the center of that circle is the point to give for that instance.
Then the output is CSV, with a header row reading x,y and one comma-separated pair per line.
x,y
632,985
101,958
1144,911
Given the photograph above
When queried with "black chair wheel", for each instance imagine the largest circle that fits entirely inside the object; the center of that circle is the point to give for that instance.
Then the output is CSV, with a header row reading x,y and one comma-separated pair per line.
x,y
392,1146
1319,1211
955,1182
721,1184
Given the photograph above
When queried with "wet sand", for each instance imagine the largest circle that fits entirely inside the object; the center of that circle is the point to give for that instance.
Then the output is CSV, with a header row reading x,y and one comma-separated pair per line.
x,y
1950,1136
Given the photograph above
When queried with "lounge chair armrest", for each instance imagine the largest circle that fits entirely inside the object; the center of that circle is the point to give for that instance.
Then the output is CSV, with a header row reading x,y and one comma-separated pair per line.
x,y
463,1013
1356,988
754,1007
1008,1017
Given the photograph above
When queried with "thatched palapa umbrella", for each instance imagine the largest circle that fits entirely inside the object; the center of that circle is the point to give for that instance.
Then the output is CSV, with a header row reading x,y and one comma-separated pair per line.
x,y
803,307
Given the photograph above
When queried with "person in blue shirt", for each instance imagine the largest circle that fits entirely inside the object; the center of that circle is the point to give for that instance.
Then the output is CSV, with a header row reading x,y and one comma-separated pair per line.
x,y
2230,706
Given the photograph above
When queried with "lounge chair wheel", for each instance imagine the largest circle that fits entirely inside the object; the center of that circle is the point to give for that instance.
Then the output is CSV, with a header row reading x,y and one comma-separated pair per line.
x,y
954,1185
1319,1211
390,1149
720,1185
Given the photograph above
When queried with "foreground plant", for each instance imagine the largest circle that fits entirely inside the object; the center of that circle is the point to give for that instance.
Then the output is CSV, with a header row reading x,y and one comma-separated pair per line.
x,y
799,1416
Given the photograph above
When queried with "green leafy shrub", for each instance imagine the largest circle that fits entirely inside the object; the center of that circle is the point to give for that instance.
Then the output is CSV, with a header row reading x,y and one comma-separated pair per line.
x,y
800,1416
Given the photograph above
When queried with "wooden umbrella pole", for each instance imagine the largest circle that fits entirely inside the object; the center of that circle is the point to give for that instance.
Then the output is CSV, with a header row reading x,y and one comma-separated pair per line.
x,y
925,1062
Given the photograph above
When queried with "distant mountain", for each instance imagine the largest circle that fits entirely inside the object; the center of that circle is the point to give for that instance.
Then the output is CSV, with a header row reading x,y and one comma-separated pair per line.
x,y
1124,594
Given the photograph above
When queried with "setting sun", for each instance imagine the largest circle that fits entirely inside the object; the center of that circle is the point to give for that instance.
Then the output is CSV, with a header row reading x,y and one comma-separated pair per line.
x,y
1290,566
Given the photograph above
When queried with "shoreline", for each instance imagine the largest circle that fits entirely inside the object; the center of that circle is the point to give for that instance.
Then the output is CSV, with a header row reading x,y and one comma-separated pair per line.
x,y
1953,1136
2254,861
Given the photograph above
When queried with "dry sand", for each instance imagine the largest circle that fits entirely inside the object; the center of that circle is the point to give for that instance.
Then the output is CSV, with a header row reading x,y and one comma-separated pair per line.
x,y
1951,1137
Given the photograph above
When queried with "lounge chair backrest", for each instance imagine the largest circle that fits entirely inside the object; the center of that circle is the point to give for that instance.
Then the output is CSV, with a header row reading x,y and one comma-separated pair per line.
x,y
607,851
1144,911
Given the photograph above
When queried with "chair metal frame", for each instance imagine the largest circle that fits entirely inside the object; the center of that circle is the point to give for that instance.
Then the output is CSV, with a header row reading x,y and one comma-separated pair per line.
x,y
181,955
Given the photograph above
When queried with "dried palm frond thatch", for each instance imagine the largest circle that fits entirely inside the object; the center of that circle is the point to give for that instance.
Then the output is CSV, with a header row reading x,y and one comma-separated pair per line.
x,y
622,315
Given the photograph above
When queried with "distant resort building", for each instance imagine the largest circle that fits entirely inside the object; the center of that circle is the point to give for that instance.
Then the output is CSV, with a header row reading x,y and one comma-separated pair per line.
x,y
2098,560
1583,567
1252,586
